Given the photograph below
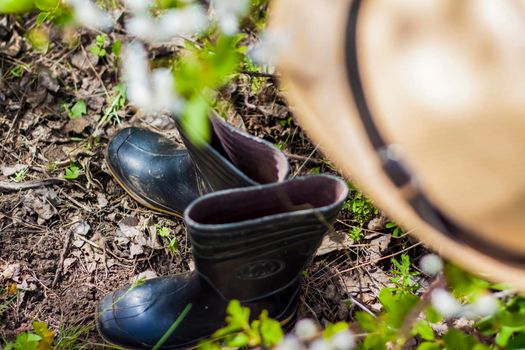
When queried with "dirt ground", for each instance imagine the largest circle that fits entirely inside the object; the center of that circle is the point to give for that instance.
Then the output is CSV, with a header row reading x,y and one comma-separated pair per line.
x,y
65,244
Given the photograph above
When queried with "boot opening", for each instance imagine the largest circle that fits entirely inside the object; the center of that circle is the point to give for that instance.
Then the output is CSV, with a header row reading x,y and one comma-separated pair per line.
x,y
309,193
257,159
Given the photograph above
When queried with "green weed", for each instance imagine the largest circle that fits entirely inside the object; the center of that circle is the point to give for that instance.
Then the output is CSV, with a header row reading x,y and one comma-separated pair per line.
x,y
356,234
20,175
98,49
396,230
75,110
165,232
73,171
240,332
362,209
116,103
404,277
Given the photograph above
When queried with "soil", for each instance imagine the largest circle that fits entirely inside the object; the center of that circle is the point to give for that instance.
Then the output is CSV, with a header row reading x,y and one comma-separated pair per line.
x,y
61,246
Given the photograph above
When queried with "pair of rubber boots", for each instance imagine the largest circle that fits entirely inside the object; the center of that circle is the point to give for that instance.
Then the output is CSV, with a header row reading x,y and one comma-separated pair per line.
x,y
251,238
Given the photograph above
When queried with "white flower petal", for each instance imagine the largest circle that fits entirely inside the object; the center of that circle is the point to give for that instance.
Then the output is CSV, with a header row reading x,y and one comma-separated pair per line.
x,y
445,303
271,45
138,6
289,343
189,20
344,340
485,305
228,13
89,14
145,28
321,344
162,83
306,329
229,24
150,91
431,264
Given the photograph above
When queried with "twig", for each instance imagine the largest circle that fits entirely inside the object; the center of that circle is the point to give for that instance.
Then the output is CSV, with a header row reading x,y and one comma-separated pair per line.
x,y
95,72
22,101
259,74
361,306
305,161
16,186
303,158
60,267
381,258
77,203
94,245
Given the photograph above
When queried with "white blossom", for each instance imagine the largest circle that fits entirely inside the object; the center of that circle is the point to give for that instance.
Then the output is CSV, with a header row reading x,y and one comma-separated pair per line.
x,y
143,27
135,71
186,21
290,343
189,20
270,46
152,91
88,14
344,340
306,329
321,344
227,13
485,305
431,264
445,303
163,84
138,6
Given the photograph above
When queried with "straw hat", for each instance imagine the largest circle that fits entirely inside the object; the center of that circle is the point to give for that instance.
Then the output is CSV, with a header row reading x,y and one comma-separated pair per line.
x,y
422,105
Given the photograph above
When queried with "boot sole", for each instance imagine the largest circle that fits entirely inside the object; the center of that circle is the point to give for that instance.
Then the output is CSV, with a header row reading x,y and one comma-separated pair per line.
x,y
286,324
138,198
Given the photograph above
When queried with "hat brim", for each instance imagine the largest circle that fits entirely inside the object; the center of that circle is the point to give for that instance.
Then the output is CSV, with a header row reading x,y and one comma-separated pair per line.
x,y
314,80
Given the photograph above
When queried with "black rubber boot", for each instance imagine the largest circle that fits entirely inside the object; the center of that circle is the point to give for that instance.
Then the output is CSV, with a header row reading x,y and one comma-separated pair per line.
x,y
162,176
249,244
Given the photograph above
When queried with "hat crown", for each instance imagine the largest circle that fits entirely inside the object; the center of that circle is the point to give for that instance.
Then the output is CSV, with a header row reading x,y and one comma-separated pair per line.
x,y
445,80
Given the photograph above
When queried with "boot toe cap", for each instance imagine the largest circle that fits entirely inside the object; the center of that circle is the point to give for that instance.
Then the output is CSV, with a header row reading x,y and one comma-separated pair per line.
x,y
114,322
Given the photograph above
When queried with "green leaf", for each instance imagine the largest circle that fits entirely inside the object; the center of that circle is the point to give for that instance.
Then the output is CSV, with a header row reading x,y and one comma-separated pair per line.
x,y
464,285
503,336
512,318
516,342
271,331
195,119
162,231
396,305
39,39
47,336
237,315
100,40
374,342
428,346
457,340
432,315
332,329
238,340
47,5
424,330
78,110
27,341
366,321
173,244
72,172
41,18
116,48
16,6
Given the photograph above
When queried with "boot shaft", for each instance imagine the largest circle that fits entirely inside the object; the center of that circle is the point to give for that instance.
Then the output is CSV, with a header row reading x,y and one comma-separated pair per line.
x,y
252,242
235,159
